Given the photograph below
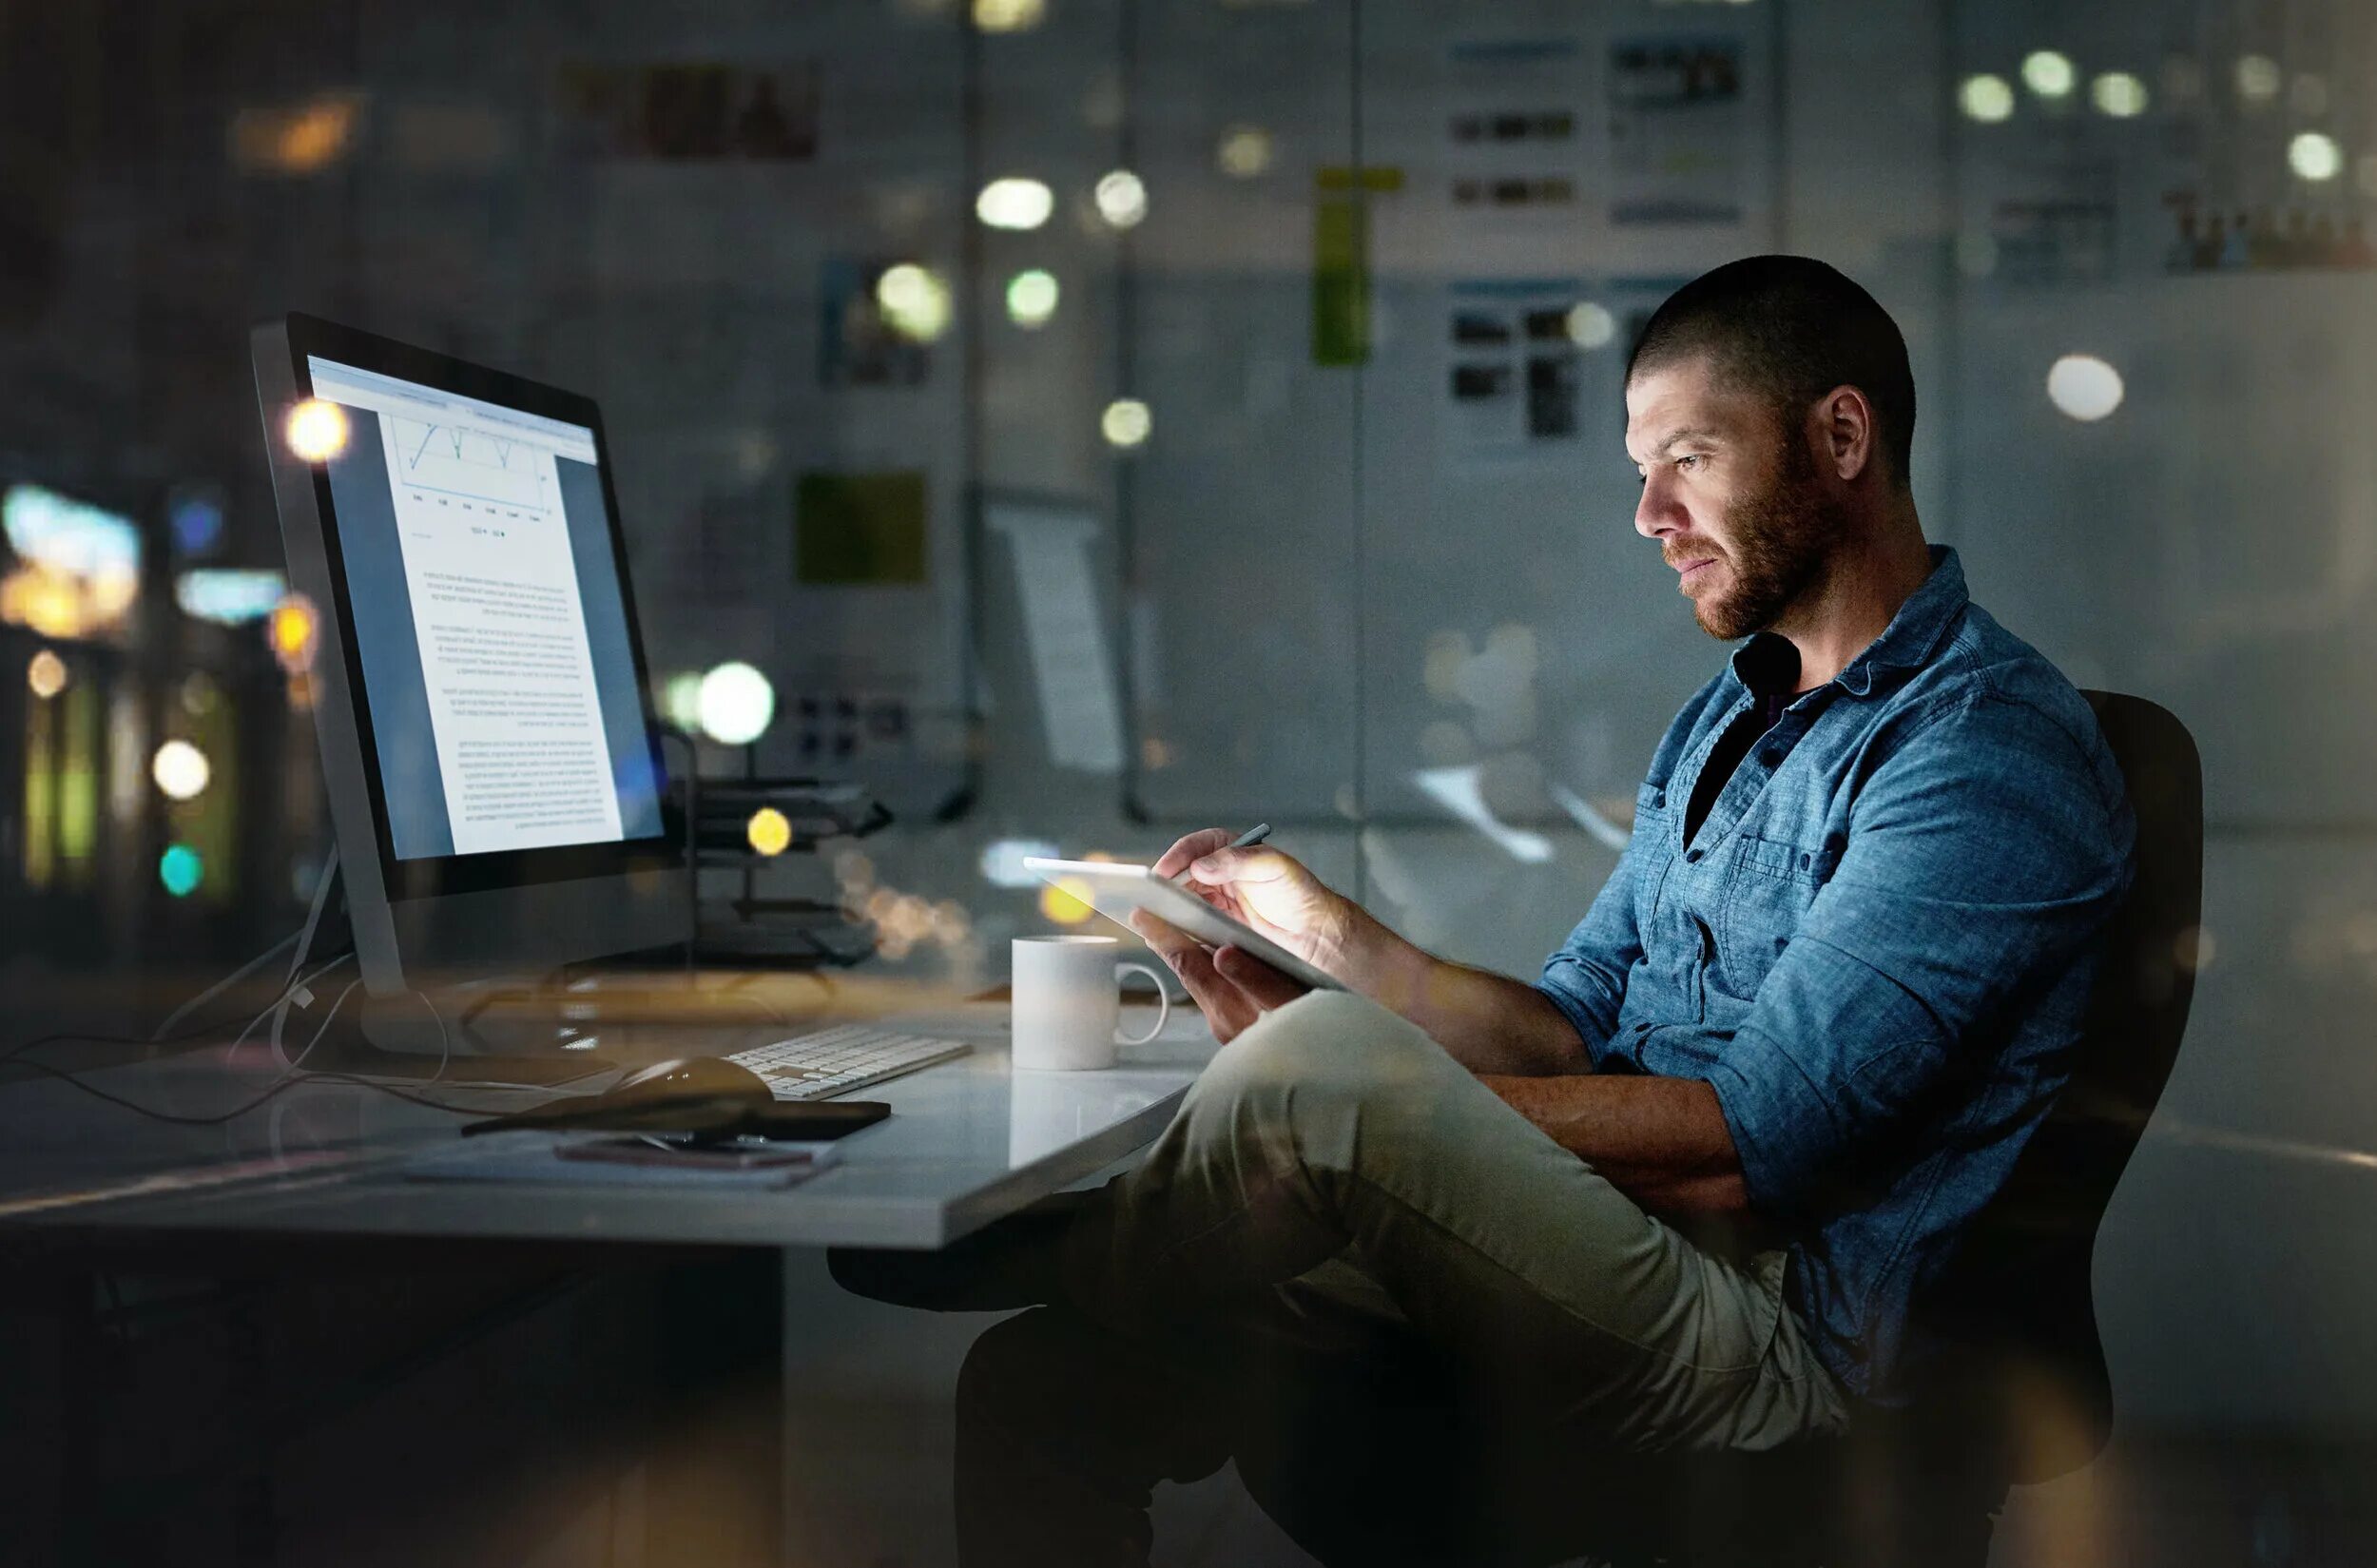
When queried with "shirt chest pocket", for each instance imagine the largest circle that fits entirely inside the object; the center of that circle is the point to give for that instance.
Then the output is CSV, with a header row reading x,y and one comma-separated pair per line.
x,y
1771,883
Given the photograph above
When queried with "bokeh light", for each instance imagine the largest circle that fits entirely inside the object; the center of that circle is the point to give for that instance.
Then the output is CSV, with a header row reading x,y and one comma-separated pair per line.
x,y
229,596
1244,152
735,704
681,698
2084,387
180,869
1032,298
1591,325
196,523
301,138
181,770
78,570
769,831
1985,98
1009,16
1122,199
46,674
1125,422
316,431
1002,861
1015,202
2258,78
1066,901
2049,73
2314,156
290,631
914,300
2118,94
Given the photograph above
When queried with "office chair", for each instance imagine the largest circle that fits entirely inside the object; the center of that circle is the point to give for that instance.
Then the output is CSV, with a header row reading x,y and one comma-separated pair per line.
x,y
2021,1397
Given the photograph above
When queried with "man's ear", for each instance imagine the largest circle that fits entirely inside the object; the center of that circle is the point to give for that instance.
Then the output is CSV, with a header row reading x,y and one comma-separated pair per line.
x,y
1844,431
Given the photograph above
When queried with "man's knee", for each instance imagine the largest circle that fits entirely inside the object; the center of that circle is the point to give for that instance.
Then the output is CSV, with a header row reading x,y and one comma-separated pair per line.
x,y
1011,1368
1327,1045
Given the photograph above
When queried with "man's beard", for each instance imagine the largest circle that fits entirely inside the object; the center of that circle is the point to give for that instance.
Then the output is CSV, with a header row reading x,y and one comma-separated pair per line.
x,y
1781,539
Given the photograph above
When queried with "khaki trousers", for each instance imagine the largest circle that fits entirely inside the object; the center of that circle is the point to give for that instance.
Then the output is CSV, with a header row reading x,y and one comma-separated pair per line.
x,y
1335,1177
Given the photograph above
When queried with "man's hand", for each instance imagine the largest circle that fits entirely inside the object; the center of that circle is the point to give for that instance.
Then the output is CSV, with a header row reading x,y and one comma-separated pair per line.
x,y
1273,894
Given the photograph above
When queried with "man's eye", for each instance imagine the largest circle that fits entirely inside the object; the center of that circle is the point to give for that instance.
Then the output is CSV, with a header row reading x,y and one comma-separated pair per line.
x,y
1690,460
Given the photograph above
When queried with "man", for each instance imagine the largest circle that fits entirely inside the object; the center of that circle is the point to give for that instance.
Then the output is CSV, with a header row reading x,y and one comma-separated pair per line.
x,y
1829,991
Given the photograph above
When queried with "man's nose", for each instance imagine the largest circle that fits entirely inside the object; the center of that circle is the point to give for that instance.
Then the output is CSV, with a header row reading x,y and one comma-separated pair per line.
x,y
1658,512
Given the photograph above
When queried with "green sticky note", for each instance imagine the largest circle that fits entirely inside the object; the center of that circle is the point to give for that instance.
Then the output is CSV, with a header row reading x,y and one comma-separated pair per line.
x,y
1340,280
851,529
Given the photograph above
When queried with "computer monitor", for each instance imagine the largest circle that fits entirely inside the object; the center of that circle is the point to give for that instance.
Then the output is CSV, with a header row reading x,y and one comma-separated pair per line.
x,y
480,686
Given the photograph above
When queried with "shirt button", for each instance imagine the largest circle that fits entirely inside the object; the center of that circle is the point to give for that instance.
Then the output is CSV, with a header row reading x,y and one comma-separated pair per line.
x,y
1692,854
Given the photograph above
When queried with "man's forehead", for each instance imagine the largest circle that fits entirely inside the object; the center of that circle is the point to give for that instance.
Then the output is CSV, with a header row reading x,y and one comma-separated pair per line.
x,y
1681,400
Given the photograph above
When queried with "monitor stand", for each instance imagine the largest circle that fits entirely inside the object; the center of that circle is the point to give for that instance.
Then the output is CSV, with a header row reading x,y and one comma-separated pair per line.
x,y
401,1038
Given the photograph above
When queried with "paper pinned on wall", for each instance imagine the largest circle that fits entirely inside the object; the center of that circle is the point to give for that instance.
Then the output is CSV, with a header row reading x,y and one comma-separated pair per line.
x,y
1511,133
1513,370
1679,131
1070,665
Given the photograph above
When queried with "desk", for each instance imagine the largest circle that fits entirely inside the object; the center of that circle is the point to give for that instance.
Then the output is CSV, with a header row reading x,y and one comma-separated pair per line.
x,y
967,1142
216,1343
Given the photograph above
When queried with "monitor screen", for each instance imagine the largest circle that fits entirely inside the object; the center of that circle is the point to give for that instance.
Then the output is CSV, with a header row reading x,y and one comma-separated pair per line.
x,y
498,671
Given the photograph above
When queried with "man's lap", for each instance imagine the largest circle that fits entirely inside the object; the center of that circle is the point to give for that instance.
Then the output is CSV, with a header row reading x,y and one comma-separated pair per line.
x,y
1463,1233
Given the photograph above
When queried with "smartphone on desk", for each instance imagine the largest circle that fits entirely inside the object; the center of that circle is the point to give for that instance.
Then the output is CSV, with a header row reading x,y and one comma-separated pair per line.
x,y
667,1153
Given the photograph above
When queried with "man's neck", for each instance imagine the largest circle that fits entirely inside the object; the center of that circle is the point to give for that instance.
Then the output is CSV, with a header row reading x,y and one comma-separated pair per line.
x,y
1856,598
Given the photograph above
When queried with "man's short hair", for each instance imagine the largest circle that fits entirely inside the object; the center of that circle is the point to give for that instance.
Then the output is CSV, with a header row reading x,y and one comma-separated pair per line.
x,y
1790,328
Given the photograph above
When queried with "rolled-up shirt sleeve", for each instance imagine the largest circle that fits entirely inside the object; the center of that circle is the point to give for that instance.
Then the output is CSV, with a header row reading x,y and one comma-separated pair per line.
x,y
1983,859
1586,978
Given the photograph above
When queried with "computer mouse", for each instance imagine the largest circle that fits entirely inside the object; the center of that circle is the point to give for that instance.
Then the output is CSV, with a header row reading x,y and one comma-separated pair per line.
x,y
689,1094
686,1078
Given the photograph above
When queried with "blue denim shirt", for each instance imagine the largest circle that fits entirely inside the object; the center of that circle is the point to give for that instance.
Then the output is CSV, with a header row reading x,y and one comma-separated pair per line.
x,y
1877,949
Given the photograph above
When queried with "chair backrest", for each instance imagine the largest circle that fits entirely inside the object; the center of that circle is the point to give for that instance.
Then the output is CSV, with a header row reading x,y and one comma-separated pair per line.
x,y
2028,1365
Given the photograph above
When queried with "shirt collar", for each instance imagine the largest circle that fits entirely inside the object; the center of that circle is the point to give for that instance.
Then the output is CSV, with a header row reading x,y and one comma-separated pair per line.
x,y
1767,663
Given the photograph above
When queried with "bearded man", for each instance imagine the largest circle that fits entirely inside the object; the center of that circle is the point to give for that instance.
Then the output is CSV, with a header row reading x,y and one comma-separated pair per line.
x,y
1830,990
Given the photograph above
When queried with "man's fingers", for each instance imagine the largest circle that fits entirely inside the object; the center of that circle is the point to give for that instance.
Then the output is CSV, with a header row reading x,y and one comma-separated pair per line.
x,y
1263,985
1232,988
1226,1009
1232,865
1167,939
1204,842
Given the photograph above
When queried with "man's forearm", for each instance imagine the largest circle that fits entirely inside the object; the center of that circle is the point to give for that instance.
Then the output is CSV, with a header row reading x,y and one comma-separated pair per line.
x,y
1663,1142
1487,1023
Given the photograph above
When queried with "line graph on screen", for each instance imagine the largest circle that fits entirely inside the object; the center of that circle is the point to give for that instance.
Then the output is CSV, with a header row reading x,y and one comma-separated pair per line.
x,y
469,462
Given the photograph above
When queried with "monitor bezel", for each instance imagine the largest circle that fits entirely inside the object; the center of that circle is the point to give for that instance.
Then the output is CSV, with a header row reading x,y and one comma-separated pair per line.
x,y
424,878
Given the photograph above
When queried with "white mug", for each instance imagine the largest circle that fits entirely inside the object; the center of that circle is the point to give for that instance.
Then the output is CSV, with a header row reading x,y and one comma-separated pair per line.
x,y
1068,1008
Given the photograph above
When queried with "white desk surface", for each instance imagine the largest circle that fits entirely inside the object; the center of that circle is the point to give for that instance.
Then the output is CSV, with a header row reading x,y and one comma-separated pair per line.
x,y
967,1142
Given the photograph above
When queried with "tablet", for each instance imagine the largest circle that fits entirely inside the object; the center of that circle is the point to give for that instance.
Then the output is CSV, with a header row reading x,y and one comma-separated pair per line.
x,y
1115,891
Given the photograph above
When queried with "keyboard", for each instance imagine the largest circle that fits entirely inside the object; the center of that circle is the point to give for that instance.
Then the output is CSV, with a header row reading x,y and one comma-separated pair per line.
x,y
832,1061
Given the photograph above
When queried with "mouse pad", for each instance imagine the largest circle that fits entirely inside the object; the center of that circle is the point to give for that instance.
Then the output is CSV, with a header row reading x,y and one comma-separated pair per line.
x,y
537,1160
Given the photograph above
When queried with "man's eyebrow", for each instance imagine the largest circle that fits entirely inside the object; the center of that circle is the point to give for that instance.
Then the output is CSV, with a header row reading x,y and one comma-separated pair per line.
x,y
1677,438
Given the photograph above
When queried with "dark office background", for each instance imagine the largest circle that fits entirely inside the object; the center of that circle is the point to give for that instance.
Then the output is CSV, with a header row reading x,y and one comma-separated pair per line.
x,y
1097,419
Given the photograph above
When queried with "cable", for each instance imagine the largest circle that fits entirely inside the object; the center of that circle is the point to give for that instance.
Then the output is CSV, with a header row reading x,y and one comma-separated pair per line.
x,y
224,984
288,1078
209,1032
302,937
280,1006
445,1041
322,884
